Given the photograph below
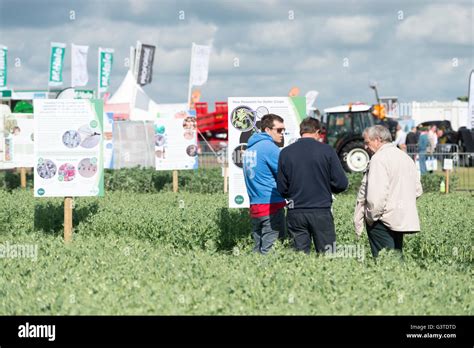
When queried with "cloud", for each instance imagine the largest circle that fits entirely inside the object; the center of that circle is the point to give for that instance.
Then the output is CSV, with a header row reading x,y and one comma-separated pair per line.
x,y
350,29
274,52
446,23
139,7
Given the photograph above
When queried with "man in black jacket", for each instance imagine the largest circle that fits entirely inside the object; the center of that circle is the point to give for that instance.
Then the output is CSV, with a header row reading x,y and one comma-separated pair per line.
x,y
412,140
308,173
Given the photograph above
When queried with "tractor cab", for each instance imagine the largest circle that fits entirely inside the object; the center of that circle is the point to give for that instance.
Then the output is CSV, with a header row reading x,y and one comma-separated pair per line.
x,y
343,127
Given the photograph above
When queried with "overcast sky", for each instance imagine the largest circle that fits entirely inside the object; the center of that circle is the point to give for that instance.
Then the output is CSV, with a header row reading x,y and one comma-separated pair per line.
x,y
416,50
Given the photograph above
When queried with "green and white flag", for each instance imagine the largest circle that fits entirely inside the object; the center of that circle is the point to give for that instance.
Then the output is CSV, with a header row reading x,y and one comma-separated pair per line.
x,y
56,63
106,58
3,67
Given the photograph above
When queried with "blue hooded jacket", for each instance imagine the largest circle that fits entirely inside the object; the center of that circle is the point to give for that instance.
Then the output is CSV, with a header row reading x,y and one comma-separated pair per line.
x,y
260,165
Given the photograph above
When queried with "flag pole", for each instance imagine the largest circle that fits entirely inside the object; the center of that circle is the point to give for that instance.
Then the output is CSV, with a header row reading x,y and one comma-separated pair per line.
x,y
190,75
136,68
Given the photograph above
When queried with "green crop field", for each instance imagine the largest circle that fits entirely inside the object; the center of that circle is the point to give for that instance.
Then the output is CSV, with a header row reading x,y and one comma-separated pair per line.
x,y
156,252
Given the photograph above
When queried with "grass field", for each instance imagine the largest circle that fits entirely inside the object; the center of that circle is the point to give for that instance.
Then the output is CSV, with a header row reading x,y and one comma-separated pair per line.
x,y
187,253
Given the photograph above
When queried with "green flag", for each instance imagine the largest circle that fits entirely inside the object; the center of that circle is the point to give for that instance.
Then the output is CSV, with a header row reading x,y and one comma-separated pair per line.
x,y
106,58
56,64
3,67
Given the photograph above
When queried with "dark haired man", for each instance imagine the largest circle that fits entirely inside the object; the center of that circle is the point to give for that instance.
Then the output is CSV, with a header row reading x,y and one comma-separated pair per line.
x,y
260,165
309,172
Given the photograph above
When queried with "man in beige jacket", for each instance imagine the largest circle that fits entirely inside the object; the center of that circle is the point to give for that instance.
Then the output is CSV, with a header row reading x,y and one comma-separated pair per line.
x,y
387,197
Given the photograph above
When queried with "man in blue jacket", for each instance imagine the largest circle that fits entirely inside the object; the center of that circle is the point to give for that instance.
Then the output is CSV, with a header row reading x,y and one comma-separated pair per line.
x,y
260,165
309,172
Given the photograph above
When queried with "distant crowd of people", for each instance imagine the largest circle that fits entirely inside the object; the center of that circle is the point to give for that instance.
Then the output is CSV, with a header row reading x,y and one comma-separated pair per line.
x,y
303,177
420,143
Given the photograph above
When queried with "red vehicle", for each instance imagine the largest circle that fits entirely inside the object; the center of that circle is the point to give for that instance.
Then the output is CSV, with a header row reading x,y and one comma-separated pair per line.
x,y
213,126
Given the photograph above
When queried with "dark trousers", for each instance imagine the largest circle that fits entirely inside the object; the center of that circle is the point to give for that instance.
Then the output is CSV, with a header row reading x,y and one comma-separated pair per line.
x,y
315,224
381,237
267,229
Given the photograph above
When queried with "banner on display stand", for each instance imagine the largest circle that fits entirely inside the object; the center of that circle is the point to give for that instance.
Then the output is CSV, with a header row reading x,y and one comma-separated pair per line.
x,y
68,157
244,115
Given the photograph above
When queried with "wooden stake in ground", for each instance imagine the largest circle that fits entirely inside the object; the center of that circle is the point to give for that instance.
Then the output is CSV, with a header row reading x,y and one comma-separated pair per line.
x,y
23,177
68,204
175,181
226,178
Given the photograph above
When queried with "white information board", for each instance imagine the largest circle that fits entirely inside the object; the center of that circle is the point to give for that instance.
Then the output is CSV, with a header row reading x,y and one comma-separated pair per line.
x,y
244,119
448,164
175,138
16,140
68,156
23,141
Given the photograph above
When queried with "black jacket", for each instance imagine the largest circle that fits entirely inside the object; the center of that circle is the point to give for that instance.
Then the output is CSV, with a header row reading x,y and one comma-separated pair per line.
x,y
412,139
308,172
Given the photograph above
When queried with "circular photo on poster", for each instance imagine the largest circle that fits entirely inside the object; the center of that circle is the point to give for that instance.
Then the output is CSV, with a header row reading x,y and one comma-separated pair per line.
x,y
87,168
243,118
66,172
160,140
90,138
160,154
237,155
189,134
160,129
190,123
46,169
261,111
191,150
16,130
71,139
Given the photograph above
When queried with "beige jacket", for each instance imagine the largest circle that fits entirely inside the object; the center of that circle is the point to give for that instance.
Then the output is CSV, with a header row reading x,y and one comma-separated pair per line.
x,y
391,187
359,212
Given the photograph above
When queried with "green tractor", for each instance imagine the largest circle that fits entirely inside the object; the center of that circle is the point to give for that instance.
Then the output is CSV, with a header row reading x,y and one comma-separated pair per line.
x,y
343,127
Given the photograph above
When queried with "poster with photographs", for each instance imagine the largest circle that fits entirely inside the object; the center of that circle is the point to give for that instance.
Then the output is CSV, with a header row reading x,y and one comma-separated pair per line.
x,y
68,149
176,146
6,148
108,145
244,115
21,134
16,139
